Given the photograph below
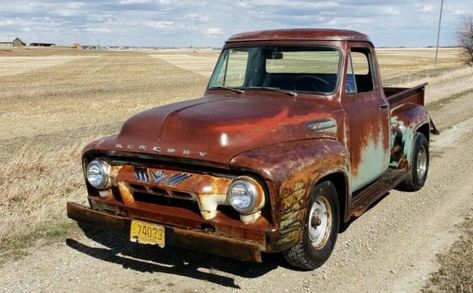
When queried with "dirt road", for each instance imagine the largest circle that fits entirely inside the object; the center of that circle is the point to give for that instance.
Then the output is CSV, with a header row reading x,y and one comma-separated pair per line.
x,y
391,248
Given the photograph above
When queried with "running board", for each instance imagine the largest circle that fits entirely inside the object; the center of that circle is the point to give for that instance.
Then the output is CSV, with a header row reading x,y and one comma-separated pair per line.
x,y
364,198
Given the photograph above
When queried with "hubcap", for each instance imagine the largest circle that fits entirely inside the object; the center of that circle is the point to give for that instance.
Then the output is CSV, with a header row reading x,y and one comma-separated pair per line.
x,y
320,222
421,162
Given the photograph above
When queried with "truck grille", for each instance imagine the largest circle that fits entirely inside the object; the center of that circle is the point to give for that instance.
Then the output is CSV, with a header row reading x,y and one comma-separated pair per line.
x,y
156,191
150,184
157,176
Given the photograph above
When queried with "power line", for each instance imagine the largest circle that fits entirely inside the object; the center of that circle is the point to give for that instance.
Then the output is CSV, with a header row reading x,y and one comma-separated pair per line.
x,y
438,34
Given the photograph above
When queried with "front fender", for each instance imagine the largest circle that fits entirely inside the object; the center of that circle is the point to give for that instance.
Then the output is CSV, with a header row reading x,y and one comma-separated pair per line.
x,y
291,171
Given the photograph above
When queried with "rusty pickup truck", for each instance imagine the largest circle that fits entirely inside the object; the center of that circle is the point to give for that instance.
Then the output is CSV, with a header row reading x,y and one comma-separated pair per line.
x,y
294,138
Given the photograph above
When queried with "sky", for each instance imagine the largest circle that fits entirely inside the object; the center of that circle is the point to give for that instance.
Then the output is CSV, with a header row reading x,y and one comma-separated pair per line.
x,y
202,23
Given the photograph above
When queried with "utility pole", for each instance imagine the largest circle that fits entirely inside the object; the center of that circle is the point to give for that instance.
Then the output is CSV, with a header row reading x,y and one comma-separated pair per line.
x,y
438,35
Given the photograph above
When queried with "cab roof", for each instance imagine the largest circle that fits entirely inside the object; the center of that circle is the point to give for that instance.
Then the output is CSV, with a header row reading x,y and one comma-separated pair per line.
x,y
300,34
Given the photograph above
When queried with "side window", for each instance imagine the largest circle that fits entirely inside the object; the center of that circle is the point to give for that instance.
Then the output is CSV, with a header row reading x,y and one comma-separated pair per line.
x,y
361,71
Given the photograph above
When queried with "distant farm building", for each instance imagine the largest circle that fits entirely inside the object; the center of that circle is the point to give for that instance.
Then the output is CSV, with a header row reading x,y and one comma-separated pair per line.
x,y
18,43
15,43
42,44
91,47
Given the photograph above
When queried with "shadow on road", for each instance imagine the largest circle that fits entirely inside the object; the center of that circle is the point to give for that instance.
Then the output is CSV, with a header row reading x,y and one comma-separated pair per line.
x,y
346,225
171,260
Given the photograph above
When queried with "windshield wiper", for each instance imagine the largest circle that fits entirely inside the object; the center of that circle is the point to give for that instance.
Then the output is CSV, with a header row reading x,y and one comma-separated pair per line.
x,y
276,89
227,88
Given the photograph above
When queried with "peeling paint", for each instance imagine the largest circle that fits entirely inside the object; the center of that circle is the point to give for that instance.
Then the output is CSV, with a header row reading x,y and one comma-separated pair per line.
x,y
374,160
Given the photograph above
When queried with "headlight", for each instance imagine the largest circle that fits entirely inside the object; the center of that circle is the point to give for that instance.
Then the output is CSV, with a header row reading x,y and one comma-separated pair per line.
x,y
98,174
245,194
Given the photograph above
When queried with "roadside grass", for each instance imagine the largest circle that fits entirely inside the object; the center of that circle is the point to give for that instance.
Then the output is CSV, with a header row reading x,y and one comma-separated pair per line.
x,y
50,113
439,104
20,244
456,264
35,184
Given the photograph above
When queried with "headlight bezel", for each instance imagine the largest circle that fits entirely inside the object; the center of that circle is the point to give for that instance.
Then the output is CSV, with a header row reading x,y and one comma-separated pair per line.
x,y
257,199
104,168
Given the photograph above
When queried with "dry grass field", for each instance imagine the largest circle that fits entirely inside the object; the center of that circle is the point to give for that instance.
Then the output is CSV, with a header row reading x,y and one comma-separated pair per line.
x,y
54,101
50,107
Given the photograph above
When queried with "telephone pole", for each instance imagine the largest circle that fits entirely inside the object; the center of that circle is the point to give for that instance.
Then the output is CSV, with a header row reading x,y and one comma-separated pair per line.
x,y
438,35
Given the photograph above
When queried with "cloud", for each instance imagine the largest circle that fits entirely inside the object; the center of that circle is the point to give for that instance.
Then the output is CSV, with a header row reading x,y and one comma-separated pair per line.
x,y
390,10
214,31
163,24
98,30
9,22
427,8
209,23
126,2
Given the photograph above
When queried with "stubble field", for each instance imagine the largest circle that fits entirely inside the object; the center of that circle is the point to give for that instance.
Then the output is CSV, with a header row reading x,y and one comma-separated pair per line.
x,y
54,101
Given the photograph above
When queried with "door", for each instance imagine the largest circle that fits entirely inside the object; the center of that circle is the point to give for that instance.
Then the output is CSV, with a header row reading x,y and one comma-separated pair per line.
x,y
367,114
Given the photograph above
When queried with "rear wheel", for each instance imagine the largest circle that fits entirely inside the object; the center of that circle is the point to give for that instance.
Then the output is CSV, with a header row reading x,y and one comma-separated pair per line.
x,y
419,165
320,229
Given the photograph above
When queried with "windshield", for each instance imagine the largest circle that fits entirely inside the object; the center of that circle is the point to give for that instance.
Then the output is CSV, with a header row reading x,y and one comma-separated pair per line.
x,y
299,69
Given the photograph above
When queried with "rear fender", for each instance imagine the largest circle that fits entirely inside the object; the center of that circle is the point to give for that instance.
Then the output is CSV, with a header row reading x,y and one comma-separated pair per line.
x,y
291,171
406,120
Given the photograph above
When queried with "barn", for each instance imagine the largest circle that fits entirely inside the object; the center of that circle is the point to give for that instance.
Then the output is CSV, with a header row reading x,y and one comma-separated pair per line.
x,y
18,43
15,43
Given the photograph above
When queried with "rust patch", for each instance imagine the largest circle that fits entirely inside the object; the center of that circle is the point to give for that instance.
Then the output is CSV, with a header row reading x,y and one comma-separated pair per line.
x,y
371,127
208,191
229,246
125,192
294,168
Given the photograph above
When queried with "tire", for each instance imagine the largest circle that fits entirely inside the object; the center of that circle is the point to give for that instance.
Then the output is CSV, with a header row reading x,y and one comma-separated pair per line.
x,y
417,176
320,233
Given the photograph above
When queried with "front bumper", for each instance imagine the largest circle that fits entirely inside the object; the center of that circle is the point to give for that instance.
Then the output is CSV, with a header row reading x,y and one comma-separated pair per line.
x,y
195,240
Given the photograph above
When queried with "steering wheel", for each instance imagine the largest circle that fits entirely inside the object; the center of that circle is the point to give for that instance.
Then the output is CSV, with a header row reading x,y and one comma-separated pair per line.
x,y
308,79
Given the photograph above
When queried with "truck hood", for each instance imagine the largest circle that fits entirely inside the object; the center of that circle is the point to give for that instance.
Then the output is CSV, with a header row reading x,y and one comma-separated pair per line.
x,y
216,128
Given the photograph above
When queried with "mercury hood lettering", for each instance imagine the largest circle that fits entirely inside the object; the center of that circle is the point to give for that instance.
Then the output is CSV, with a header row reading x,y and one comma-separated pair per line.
x,y
158,150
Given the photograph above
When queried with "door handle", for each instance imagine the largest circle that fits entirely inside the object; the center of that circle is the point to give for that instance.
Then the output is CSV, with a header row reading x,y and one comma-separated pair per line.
x,y
383,106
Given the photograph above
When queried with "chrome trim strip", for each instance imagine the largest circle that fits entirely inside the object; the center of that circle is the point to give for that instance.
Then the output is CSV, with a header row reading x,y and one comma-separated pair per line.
x,y
142,175
178,178
158,176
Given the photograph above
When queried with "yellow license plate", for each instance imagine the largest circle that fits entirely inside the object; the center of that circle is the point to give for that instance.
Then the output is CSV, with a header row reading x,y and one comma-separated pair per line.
x,y
147,233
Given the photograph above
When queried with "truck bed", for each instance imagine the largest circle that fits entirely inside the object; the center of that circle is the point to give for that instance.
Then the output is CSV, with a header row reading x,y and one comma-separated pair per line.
x,y
397,95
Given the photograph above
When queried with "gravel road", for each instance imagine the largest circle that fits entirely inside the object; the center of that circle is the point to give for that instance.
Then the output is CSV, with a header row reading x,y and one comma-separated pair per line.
x,y
391,248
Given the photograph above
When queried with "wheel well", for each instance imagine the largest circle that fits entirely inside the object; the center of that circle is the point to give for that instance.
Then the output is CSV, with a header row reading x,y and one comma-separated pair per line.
x,y
340,181
425,130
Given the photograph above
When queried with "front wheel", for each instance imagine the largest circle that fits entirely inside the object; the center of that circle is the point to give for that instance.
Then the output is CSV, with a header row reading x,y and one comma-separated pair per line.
x,y
320,229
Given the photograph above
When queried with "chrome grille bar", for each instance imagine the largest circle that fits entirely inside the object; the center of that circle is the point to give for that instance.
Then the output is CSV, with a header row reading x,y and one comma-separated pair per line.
x,y
177,178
